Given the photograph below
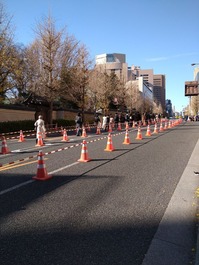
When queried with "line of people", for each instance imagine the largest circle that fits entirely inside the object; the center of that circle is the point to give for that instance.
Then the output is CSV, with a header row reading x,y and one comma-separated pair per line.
x,y
110,120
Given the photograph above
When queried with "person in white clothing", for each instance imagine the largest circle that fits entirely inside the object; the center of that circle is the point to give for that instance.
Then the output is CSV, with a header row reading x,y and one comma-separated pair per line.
x,y
40,128
104,122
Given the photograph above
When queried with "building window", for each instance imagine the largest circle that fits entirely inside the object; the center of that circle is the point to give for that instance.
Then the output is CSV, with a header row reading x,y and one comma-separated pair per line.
x,y
110,58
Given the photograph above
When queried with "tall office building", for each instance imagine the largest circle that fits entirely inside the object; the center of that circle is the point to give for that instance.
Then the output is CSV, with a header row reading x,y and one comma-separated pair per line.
x,y
159,90
113,63
169,109
147,75
151,86
196,74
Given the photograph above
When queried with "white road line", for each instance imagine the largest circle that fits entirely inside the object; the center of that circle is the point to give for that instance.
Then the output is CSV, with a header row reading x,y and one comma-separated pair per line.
x,y
31,181
16,187
62,168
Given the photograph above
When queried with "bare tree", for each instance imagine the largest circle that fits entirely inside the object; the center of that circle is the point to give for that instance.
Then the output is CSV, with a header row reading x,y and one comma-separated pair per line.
x,y
75,76
129,96
8,59
104,88
157,108
54,63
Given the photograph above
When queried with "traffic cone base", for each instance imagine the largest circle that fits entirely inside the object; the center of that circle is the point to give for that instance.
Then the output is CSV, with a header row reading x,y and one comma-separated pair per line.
x,y
84,153
43,178
4,149
41,169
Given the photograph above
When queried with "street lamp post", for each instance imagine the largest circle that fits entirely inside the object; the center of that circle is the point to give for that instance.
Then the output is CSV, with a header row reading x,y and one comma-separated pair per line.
x,y
196,78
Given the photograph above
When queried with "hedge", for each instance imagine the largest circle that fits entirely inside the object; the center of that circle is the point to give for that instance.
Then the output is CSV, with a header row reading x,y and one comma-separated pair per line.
x,y
27,125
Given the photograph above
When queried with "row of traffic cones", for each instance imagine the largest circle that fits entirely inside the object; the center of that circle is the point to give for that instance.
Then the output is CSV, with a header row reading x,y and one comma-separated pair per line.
x,y
5,150
40,142
41,168
42,173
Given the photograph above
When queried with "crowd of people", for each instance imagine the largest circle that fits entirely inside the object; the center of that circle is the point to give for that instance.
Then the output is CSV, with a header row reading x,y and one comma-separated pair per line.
x,y
103,122
114,119
106,121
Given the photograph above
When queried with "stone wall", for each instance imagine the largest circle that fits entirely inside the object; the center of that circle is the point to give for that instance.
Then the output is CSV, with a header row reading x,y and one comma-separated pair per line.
x,y
16,115
8,114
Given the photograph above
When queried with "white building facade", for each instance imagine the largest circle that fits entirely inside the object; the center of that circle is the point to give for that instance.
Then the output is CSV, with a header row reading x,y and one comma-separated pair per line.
x,y
116,63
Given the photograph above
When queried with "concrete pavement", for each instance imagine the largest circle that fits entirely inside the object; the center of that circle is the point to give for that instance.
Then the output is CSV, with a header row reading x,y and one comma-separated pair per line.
x,y
173,244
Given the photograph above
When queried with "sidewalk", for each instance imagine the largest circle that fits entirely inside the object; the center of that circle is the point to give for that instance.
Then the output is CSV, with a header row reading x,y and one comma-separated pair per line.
x,y
174,239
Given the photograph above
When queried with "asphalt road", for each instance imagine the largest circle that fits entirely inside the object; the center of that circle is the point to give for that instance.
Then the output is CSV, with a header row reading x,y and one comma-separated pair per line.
x,y
106,211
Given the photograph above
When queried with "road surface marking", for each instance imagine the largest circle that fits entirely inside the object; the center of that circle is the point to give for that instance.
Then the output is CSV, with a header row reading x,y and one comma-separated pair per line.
x,y
19,165
31,181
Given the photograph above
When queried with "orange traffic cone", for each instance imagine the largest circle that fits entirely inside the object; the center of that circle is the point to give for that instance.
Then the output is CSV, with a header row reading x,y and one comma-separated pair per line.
x,y
169,126
41,169
84,153
126,139
139,134
155,128
84,132
148,132
161,128
127,126
4,149
109,146
110,128
98,130
119,128
21,137
39,140
65,136
88,127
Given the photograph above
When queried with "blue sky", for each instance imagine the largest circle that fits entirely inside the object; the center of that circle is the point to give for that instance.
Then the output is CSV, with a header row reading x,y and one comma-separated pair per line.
x,y
161,35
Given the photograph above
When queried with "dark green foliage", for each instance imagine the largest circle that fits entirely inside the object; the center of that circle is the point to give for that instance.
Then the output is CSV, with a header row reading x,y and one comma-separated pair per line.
x,y
16,126
64,123
27,125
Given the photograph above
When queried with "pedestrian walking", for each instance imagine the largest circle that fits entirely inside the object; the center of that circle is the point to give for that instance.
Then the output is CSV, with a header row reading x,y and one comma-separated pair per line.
x,y
116,120
97,121
126,117
111,121
104,122
78,121
40,128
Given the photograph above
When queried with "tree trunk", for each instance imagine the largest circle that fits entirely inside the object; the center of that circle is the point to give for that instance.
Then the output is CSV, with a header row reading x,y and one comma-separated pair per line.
x,y
50,113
